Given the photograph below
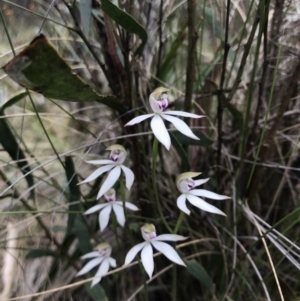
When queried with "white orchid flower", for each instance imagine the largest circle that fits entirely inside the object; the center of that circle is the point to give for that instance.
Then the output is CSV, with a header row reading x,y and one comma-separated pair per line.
x,y
149,234
111,204
159,102
101,256
185,184
115,165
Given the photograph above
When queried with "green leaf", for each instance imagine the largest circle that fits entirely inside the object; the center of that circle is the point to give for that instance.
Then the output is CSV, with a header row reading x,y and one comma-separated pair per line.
x,y
74,192
182,139
197,271
37,253
168,63
39,68
85,9
83,235
96,292
181,152
126,21
11,145
238,119
12,101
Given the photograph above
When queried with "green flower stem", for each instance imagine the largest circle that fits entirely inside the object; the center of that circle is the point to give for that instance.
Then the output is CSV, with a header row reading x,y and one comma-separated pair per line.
x,y
174,285
127,229
154,156
179,222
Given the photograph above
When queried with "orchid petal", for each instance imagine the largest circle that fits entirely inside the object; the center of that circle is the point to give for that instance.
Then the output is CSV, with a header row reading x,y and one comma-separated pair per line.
x,y
181,204
129,176
104,217
147,259
91,264
138,119
200,182
99,162
119,212
183,114
97,173
103,269
168,251
133,251
199,203
95,208
131,206
169,237
90,255
112,262
208,194
109,182
181,126
159,130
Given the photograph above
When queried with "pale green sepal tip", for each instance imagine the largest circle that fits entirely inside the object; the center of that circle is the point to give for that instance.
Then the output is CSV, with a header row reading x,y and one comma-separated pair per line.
x,y
148,228
187,175
159,91
102,246
116,147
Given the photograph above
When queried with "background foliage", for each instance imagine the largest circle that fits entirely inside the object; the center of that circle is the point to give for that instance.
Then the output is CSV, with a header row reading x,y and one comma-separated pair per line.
x,y
237,62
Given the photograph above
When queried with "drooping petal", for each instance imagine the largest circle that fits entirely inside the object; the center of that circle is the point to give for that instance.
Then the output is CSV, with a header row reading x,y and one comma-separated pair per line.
x,y
169,237
200,182
104,217
129,176
119,212
133,251
181,126
208,194
91,264
147,259
100,162
109,182
95,208
168,251
138,119
183,114
131,206
181,204
103,269
159,130
194,200
112,262
97,173
90,255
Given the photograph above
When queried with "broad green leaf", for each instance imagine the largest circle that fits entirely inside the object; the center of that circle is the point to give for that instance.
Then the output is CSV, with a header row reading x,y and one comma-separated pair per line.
x,y
85,9
73,194
182,139
197,270
11,145
126,21
97,292
83,235
39,68
37,253
181,152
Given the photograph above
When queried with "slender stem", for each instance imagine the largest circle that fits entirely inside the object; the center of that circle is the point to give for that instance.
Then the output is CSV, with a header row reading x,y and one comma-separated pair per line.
x,y
44,129
174,285
179,222
123,196
154,156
